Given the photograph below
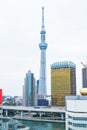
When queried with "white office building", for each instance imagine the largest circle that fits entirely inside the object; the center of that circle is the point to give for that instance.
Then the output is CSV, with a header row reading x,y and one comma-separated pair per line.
x,y
76,112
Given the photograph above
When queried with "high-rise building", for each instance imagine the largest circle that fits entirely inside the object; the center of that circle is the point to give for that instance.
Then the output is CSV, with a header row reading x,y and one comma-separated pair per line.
x,y
37,87
29,90
63,82
43,47
84,77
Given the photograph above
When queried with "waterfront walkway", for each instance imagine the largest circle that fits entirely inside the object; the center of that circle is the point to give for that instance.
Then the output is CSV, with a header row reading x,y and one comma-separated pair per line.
x,y
41,119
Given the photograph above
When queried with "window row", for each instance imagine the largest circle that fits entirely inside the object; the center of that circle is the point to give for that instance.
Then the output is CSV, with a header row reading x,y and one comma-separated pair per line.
x,y
77,124
78,118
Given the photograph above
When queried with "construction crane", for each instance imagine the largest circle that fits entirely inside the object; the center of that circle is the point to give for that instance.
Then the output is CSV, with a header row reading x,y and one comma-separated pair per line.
x,y
85,65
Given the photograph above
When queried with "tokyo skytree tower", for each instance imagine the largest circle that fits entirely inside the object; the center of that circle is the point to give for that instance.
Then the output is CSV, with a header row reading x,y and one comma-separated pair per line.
x,y
43,47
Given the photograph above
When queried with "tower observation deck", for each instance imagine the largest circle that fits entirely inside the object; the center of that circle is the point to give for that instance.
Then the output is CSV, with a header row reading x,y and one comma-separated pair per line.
x,y
43,47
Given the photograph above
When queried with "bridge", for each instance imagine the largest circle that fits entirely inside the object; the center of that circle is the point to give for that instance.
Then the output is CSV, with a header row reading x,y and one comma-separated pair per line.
x,y
27,113
35,109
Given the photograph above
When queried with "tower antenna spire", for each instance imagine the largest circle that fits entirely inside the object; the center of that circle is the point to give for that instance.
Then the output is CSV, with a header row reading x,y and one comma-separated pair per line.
x,y
42,16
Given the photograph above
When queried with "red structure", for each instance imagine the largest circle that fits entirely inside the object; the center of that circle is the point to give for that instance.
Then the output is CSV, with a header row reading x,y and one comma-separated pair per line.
x,y
0,96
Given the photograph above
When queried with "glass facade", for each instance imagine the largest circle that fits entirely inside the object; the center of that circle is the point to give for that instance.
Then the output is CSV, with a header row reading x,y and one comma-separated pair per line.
x,y
63,82
84,77
29,90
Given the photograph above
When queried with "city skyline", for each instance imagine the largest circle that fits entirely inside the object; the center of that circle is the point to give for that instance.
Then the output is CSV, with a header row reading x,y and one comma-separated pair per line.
x,y
20,24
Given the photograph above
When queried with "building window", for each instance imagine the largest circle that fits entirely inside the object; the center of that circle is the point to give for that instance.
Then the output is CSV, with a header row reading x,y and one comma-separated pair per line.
x,y
69,123
80,125
80,118
70,129
70,117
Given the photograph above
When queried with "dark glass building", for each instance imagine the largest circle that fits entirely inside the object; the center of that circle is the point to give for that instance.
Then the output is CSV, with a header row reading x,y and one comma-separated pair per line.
x,y
84,77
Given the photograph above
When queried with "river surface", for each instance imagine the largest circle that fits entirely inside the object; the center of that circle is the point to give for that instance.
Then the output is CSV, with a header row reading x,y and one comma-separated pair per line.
x,y
43,125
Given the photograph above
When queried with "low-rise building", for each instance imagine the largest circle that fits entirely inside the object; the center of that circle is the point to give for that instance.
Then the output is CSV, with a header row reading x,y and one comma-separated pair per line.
x,y
76,112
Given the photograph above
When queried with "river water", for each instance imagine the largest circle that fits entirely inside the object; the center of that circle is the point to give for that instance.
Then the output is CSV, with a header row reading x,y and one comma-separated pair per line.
x,y
43,125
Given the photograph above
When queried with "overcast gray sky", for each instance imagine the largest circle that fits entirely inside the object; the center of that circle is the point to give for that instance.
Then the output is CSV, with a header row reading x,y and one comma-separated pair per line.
x,y
20,25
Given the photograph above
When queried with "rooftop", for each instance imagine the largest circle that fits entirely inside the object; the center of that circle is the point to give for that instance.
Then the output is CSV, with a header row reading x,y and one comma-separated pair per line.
x,y
63,64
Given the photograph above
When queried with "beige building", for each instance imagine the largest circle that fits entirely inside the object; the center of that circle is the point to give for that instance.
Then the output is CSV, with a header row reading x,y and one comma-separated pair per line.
x,y
63,81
